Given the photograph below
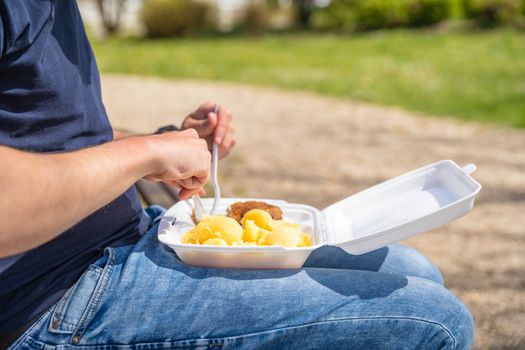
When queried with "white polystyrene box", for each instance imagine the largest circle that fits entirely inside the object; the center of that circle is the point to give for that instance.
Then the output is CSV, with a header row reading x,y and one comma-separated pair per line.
x,y
396,209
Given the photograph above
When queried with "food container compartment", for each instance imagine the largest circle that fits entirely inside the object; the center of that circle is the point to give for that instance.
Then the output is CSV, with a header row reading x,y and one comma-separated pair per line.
x,y
177,221
396,209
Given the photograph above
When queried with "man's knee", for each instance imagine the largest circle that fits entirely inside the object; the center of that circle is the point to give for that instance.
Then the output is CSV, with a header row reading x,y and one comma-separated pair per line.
x,y
443,312
421,315
459,322
464,331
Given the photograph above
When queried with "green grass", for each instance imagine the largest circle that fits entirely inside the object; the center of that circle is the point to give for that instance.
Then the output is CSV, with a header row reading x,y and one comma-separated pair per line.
x,y
470,75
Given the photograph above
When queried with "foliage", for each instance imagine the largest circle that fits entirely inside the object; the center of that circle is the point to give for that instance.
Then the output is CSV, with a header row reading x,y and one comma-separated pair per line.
x,y
339,15
166,18
351,15
378,14
467,75
428,12
304,10
255,18
490,13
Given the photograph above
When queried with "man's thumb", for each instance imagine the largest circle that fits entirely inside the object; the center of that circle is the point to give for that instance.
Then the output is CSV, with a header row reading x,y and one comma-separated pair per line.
x,y
206,126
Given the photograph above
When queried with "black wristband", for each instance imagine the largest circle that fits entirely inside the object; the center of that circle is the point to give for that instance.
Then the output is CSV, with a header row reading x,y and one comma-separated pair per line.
x,y
166,128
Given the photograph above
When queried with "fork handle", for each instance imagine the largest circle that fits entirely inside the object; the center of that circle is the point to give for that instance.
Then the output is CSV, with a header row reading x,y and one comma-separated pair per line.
x,y
214,166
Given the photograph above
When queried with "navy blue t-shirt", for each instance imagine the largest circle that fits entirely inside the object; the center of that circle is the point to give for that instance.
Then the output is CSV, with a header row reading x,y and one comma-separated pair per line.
x,y
50,101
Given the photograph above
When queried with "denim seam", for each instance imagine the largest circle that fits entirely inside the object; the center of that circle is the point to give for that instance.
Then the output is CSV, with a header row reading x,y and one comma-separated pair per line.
x,y
96,297
401,318
173,344
69,324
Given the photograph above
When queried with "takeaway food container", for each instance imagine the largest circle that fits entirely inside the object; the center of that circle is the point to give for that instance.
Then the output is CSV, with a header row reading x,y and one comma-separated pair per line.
x,y
407,205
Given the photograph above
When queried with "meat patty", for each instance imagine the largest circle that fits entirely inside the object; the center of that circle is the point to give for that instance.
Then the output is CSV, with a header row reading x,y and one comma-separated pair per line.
x,y
238,209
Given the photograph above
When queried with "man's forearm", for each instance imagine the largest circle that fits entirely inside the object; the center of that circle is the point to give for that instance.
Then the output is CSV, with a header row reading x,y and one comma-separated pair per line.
x,y
42,195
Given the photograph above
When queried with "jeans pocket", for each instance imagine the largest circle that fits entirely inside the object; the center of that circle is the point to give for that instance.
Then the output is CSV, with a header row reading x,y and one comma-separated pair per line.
x,y
76,308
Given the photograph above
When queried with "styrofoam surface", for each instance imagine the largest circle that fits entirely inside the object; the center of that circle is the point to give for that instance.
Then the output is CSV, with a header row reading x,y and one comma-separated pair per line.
x,y
399,208
413,203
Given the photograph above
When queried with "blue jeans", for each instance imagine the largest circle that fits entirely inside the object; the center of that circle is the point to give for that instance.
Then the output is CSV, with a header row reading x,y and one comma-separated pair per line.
x,y
142,296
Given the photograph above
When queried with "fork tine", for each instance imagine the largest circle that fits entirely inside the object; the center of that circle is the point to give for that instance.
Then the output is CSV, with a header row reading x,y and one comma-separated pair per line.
x,y
199,208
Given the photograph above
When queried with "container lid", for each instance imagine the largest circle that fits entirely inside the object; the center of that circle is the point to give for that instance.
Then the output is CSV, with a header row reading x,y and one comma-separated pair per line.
x,y
404,206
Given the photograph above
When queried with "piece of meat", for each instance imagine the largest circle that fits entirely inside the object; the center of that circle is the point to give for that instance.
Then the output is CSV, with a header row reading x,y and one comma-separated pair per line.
x,y
238,209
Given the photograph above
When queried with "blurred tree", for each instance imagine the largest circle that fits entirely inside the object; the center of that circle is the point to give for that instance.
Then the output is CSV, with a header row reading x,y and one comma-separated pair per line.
x,y
305,9
110,14
256,17
174,18
491,13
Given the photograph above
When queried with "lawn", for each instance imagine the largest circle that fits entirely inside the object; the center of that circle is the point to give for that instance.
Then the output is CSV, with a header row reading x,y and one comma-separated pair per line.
x,y
470,75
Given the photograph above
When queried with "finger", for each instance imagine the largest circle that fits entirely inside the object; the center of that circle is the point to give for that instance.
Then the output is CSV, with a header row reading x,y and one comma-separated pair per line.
x,y
186,193
204,127
202,111
194,182
209,125
203,178
223,123
190,184
227,143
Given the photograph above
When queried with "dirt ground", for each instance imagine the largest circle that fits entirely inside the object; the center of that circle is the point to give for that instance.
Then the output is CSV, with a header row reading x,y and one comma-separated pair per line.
x,y
316,150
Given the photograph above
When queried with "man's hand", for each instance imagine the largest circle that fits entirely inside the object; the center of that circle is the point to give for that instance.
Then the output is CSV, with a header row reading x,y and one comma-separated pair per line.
x,y
212,127
184,161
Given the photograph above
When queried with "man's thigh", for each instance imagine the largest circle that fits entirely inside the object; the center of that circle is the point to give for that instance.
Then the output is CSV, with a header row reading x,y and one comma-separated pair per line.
x,y
144,296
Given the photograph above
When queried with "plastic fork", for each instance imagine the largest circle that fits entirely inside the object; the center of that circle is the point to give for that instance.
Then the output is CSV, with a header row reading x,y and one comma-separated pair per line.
x,y
198,207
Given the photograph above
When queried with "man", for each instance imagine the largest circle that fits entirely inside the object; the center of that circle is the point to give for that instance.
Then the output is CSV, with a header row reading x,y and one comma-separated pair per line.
x,y
80,264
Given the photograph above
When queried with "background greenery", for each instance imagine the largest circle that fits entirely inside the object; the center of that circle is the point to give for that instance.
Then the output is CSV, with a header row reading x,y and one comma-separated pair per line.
x,y
364,15
165,18
473,75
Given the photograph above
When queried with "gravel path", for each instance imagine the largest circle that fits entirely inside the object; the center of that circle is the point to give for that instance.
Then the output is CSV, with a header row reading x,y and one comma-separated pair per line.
x,y
316,150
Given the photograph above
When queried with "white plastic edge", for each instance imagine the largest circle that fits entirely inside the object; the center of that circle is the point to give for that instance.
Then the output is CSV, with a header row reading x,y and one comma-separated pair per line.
x,y
469,168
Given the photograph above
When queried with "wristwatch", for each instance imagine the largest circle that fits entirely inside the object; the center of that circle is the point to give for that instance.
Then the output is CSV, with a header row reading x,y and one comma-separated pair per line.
x,y
166,128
